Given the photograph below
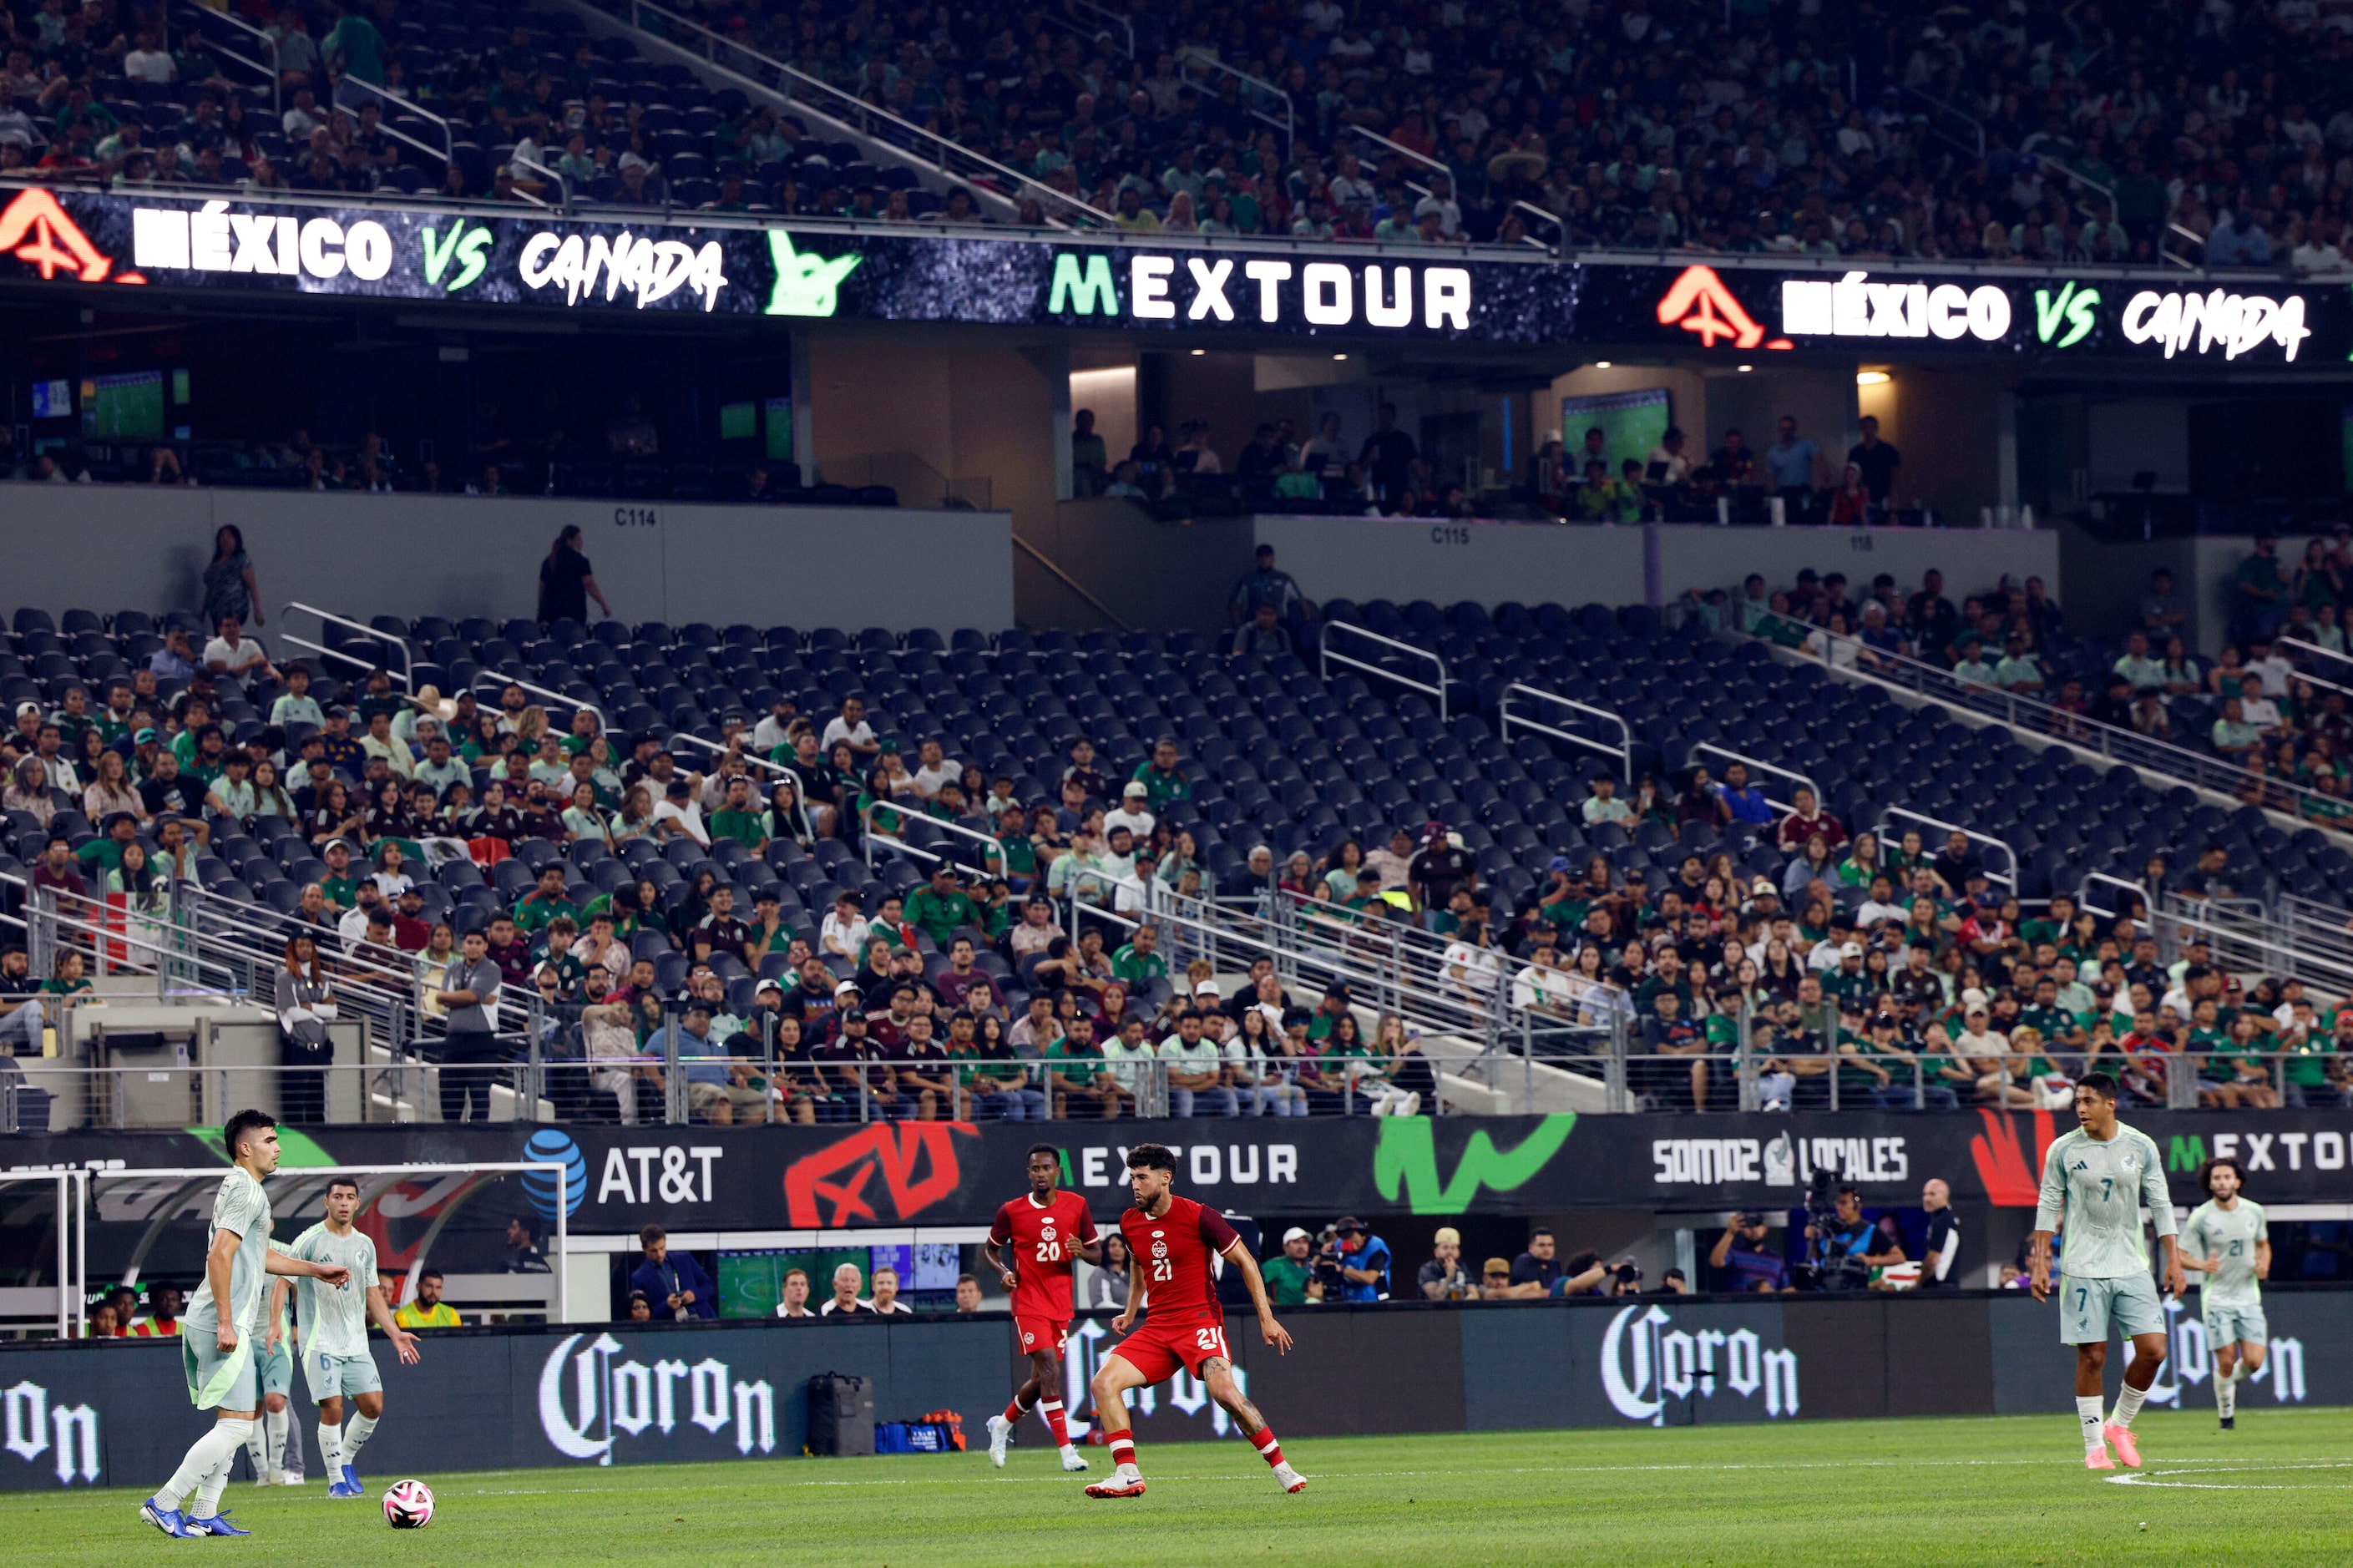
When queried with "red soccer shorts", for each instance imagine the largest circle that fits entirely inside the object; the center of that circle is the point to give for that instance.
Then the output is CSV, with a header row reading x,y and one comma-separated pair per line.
x,y
1039,1335
1157,1352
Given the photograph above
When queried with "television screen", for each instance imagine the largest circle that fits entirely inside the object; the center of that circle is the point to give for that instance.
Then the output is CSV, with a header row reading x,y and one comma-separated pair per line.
x,y
1630,424
738,421
129,404
52,400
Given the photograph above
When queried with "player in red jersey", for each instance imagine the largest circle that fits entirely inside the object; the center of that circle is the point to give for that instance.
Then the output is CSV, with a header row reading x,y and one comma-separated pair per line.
x,y
1045,1232
1170,1241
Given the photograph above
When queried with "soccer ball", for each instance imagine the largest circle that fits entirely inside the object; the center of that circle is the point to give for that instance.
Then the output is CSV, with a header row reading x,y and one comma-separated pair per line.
x,y
408,1505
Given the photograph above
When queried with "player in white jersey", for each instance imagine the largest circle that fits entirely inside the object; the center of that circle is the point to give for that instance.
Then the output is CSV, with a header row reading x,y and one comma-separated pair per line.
x,y
274,1461
337,1361
220,1331
2229,1240
2094,1181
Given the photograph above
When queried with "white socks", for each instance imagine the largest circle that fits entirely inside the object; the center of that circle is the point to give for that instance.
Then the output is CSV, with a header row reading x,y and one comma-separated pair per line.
x,y
330,1450
356,1431
2087,1414
2226,1394
215,1451
273,1423
2128,1400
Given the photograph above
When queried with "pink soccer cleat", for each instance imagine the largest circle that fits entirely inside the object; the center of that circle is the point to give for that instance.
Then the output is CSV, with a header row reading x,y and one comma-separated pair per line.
x,y
2097,1460
2126,1449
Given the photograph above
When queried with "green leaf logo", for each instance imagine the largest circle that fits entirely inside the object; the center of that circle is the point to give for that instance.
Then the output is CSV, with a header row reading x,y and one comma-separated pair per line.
x,y
807,285
1408,1155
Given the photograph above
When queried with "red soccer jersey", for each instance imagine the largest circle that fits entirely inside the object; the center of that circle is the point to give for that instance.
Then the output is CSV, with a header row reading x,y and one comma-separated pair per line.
x,y
1175,1250
1041,1243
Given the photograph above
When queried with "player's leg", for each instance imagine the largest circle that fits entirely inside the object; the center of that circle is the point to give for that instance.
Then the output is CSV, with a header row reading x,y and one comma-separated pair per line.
x,y
224,1382
368,1409
268,1448
2083,1323
2140,1316
1047,1375
2226,1367
330,1430
1115,1375
1038,1343
1218,1373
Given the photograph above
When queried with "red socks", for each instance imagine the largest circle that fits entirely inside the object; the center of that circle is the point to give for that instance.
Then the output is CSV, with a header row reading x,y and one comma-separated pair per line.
x,y
1121,1444
1269,1449
1016,1411
1051,1410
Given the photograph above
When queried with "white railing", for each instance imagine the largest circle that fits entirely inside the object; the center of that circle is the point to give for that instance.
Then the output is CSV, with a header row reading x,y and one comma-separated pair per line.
x,y
770,75
1196,55
1756,768
1540,216
73,1244
563,186
1328,658
1623,750
262,41
488,680
752,759
403,674
390,103
1855,660
993,852
1905,813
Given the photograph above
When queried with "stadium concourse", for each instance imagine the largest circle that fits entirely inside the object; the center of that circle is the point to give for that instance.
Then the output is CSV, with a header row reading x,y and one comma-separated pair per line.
x,y
1809,866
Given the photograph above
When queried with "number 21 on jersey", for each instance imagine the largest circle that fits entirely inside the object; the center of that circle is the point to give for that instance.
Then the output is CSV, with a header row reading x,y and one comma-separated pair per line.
x,y
1161,1269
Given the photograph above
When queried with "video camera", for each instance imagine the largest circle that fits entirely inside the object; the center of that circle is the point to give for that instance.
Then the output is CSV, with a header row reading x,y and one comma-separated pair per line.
x,y
1836,1265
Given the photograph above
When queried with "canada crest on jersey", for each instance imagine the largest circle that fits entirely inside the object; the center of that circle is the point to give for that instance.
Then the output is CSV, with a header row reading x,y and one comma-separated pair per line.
x,y
1046,1231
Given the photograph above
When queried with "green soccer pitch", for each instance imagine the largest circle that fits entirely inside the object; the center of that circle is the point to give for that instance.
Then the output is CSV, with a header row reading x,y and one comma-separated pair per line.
x,y
2009,1490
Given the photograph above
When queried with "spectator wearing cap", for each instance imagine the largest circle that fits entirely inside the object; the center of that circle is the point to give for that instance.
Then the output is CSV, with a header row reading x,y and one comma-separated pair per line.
x,y
1442,867
942,906
1443,1278
1134,812
1289,1281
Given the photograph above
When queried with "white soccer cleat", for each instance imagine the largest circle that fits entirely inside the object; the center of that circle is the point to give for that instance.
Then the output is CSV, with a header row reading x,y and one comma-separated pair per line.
x,y
1000,1436
1293,1482
1126,1481
289,1479
1072,1459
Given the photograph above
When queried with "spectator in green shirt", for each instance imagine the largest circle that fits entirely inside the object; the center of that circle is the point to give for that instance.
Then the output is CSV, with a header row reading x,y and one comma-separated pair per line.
x,y
1162,777
2259,594
1290,1282
547,902
1139,961
942,906
741,817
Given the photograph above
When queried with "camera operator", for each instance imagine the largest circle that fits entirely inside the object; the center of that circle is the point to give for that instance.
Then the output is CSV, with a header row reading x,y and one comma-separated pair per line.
x,y
1841,1241
1674,1283
1944,1240
1443,1278
1359,1260
1744,1262
1625,1279
1583,1275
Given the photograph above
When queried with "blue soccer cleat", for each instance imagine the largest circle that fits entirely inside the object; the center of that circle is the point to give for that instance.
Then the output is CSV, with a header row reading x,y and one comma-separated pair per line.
x,y
351,1479
340,1488
170,1520
216,1525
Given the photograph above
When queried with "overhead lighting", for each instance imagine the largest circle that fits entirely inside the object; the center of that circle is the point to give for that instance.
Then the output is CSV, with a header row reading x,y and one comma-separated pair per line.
x,y
1602,364
1871,378
1199,353
1339,356
1747,368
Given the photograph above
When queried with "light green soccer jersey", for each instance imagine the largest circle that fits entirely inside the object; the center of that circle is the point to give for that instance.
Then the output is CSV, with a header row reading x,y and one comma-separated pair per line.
x,y
2230,1237
240,1207
2092,1192
335,1318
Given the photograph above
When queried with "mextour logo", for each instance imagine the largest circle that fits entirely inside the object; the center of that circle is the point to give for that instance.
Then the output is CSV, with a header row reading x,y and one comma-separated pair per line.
x,y
612,1395
915,1162
1646,1362
66,1434
1701,302
38,232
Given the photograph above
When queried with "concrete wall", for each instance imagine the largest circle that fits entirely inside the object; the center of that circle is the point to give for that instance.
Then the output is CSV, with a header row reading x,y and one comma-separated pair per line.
x,y
1417,558
110,548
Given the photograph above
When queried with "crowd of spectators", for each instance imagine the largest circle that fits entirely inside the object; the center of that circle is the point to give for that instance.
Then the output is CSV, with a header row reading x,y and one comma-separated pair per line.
x,y
2276,705
1861,129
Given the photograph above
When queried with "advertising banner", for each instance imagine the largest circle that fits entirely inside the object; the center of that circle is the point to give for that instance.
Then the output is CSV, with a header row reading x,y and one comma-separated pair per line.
x,y
898,1173
116,1413
707,264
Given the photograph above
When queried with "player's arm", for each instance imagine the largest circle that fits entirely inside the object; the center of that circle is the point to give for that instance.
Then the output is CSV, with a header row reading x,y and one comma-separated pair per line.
x,y
2263,1257
381,1315
1136,1293
2050,1210
2196,1237
278,1294
2158,1196
1270,1330
1089,1246
276,1262
218,1261
989,1256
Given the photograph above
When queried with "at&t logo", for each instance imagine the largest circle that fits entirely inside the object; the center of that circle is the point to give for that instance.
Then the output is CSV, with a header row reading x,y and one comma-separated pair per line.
x,y
610,1394
1644,1363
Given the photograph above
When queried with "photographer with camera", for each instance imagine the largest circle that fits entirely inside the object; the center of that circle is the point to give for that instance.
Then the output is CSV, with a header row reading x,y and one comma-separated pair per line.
x,y
1353,1263
1743,1262
1840,1238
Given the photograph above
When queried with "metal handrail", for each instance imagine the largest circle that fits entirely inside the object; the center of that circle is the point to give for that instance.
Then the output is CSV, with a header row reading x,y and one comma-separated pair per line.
x,y
1623,750
404,674
1755,767
875,837
1126,27
73,1244
1054,568
948,156
1327,659
448,151
1196,54
2081,731
562,185
1899,812
1542,214
490,679
46,914
754,759
268,44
